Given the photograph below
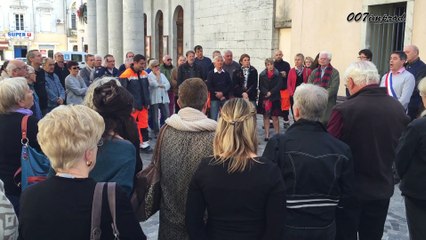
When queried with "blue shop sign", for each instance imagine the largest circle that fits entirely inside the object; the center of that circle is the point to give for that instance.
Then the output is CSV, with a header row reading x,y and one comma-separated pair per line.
x,y
17,34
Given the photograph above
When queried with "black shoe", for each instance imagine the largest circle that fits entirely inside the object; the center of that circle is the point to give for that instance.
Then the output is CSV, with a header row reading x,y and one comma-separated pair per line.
x,y
266,139
147,150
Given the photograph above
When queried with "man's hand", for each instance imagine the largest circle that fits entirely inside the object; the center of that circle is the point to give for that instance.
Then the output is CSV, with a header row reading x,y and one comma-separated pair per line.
x,y
60,101
283,73
268,94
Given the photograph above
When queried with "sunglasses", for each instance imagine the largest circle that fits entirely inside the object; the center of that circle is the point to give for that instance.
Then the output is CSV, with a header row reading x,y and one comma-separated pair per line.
x,y
169,59
74,68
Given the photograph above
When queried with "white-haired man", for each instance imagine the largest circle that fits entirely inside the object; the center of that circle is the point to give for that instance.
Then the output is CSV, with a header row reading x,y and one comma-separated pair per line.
x,y
370,122
219,84
316,167
326,76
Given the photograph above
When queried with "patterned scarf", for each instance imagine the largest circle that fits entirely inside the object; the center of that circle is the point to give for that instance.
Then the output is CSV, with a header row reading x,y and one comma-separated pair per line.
x,y
324,81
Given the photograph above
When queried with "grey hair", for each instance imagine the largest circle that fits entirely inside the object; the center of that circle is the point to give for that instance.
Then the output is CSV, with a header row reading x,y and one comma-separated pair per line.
x,y
88,99
362,73
10,67
153,62
228,51
165,57
311,100
329,55
12,90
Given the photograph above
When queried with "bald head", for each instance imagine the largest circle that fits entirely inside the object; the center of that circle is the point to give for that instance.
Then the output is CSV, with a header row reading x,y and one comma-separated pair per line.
x,y
167,60
278,55
412,52
17,68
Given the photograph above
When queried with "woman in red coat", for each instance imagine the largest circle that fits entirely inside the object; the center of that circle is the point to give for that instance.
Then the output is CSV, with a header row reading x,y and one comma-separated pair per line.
x,y
297,75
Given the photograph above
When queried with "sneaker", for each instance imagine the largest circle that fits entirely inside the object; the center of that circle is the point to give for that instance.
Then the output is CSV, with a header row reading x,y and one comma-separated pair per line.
x,y
147,150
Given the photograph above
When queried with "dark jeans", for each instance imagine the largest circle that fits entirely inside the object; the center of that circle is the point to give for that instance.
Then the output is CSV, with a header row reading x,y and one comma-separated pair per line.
x,y
416,217
363,218
177,108
326,233
164,111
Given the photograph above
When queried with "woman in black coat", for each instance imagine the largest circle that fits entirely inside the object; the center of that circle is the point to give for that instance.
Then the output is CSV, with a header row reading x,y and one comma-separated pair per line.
x,y
269,104
16,100
245,80
242,193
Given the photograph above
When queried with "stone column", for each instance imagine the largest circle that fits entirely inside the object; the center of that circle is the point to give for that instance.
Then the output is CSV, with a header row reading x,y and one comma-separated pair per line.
x,y
91,26
115,29
133,22
102,27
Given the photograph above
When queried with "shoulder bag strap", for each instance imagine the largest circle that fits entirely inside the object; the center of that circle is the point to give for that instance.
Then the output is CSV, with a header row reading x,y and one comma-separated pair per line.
x,y
112,208
157,152
24,124
24,142
95,231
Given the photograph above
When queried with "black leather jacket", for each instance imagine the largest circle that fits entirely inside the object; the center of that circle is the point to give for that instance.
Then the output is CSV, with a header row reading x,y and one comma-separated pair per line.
x,y
317,171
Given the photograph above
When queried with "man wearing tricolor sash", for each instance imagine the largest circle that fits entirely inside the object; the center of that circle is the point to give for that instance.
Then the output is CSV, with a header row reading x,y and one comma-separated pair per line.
x,y
399,82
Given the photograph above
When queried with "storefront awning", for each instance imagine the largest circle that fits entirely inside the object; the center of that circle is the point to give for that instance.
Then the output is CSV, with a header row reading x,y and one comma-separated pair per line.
x,y
4,45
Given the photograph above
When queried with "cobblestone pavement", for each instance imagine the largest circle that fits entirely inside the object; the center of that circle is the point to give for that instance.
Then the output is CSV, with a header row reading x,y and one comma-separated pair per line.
x,y
395,226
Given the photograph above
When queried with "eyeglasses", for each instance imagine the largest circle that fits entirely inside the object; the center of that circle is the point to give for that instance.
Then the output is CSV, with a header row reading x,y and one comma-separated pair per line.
x,y
74,68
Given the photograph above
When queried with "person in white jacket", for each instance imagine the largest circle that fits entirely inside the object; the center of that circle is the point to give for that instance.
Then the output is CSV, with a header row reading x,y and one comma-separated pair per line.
x,y
158,87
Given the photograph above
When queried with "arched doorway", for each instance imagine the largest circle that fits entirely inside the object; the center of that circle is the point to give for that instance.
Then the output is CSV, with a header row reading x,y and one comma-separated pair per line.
x,y
178,32
159,36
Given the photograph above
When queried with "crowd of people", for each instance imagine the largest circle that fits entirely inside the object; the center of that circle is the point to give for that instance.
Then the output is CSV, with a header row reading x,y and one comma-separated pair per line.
x,y
329,176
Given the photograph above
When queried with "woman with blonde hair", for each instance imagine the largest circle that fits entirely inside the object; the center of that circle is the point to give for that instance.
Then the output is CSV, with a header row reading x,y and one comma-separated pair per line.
x,y
410,164
69,136
242,193
158,87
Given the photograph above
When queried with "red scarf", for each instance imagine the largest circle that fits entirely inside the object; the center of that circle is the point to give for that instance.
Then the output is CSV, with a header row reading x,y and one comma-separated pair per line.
x,y
270,74
324,81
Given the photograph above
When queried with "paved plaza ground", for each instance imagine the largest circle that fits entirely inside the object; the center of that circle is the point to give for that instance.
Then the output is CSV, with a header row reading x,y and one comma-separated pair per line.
x,y
395,226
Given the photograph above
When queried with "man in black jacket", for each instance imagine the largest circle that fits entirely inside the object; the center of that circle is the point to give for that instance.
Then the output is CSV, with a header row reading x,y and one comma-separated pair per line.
x,y
370,122
316,167
35,59
189,69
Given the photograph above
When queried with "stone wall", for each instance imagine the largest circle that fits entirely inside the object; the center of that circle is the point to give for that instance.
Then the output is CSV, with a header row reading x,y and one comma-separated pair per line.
x,y
241,26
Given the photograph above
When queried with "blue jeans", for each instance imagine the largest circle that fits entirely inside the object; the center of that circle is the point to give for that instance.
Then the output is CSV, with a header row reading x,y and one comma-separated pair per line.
x,y
164,110
214,109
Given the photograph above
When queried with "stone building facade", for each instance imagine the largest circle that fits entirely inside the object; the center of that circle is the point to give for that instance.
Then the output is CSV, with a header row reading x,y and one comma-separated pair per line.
x,y
36,24
256,27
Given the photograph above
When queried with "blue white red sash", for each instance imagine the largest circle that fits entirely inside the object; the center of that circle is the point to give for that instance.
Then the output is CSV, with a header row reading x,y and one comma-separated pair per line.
x,y
388,84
